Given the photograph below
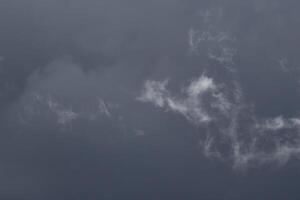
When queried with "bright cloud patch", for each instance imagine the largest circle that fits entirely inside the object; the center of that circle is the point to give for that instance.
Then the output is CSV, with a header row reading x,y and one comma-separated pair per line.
x,y
192,104
233,131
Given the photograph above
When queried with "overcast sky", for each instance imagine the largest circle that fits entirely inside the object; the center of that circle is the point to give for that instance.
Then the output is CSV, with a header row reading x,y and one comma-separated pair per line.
x,y
149,100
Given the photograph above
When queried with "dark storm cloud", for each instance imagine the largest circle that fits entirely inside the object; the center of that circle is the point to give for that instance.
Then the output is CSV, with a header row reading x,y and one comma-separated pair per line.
x,y
76,77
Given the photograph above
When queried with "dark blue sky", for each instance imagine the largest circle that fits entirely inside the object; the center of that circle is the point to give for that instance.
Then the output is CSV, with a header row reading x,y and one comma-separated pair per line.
x,y
149,100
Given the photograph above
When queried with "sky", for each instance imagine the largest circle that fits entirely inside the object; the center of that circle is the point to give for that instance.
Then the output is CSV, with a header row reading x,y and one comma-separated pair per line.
x,y
149,100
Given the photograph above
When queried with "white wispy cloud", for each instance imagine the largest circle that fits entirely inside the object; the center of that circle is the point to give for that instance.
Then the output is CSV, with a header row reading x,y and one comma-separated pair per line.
x,y
64,115
51,98
191,105
275,124
104,108
279,123
239,136
211,41
155,92
201,85
42,106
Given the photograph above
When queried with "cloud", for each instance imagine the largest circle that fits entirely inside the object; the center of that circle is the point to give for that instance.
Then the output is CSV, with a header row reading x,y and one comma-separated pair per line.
x,y
201,85
64,115
275,124
233,131
192,104
216,44
62,94
104,108
279,123
155,92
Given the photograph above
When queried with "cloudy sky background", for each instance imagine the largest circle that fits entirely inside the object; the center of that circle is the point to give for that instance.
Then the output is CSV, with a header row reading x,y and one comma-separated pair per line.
x,y
162,99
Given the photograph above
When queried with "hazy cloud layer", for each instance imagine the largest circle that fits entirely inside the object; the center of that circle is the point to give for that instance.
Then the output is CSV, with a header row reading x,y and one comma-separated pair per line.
x,y
162,99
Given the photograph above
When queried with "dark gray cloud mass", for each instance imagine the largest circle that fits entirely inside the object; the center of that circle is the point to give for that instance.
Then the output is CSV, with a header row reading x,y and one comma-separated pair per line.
x,y
161,99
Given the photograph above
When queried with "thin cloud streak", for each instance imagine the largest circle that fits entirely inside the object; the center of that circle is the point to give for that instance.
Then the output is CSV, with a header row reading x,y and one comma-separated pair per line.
x,y
244,139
